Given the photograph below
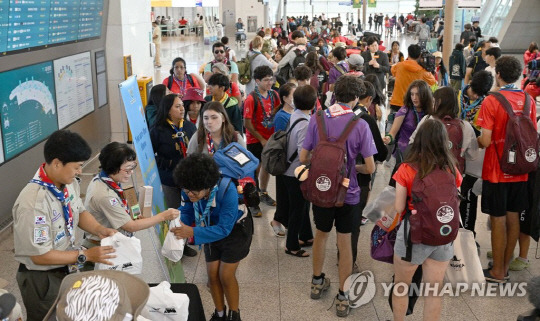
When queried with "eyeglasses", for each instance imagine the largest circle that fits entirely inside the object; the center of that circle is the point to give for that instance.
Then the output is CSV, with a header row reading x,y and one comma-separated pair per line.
x,y
219,51
129,170
187,191
268,79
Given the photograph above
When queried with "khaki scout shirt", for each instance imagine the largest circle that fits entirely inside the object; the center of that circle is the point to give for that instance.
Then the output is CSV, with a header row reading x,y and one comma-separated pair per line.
x,y
106,206
39,224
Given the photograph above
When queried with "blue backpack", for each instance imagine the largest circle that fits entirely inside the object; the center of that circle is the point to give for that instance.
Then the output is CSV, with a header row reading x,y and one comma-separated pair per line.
x,y
239,164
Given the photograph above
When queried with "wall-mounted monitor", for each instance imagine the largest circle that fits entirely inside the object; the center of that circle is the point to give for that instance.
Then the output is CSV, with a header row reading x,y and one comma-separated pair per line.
x,y
27,98
38,24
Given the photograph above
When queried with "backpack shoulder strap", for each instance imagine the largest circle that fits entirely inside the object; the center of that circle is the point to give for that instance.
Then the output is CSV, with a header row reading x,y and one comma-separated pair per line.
x,y
294,124
321,126
190,79
226,102
222,192
255,102
170,82
340,69
505,103
527,105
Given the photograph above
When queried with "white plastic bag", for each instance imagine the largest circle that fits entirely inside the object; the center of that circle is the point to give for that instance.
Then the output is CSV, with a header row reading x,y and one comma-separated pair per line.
x,y
128,254
164,305
172,248
328,101
382,206
465,266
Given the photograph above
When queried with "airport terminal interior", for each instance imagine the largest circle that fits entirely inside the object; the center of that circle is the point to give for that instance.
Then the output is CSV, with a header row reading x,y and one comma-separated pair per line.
x,y
117,44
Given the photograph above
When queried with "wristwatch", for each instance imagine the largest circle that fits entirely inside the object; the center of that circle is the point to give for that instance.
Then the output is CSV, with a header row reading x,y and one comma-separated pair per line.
x,y
81,258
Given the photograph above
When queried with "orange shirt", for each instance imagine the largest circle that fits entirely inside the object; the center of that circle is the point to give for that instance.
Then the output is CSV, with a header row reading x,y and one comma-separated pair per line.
x,y
493,117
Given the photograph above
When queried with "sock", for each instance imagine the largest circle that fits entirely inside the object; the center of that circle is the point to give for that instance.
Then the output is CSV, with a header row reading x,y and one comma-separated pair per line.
x,y
341,295
318,279
522,259
220,313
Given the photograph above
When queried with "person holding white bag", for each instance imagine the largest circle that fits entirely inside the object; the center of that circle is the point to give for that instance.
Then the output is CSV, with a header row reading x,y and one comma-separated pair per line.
x,y
105,197
224,227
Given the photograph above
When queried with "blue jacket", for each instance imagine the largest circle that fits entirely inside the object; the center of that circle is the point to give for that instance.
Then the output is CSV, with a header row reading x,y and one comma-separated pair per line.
x,y
223,215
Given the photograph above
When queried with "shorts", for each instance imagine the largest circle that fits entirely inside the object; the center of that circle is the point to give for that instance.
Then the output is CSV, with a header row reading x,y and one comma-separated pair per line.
x,y
256,149
420,252
341,217
499,198
234,247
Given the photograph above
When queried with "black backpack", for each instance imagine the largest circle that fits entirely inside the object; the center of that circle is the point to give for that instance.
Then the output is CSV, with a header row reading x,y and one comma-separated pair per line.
x,y
170,81
274,155
300,58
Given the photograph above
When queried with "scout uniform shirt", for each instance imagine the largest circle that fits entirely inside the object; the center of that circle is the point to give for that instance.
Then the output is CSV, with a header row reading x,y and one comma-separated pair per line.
x,y
39,224
106,206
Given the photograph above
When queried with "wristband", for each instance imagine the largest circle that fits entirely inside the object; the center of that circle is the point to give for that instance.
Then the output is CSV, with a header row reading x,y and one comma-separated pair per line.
x,y
391,138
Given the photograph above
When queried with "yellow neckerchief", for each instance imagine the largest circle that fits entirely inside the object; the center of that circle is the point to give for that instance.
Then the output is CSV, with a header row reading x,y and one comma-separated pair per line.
x,y
222,101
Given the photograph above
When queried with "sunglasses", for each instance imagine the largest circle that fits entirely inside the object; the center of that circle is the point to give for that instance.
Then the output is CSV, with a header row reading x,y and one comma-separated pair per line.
x,y
219,51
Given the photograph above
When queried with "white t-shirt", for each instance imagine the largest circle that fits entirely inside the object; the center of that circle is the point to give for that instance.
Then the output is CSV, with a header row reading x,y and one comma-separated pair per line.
x,y
492,71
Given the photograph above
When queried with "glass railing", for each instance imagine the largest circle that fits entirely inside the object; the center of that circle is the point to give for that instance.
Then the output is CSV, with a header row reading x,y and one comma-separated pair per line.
x,y
497,12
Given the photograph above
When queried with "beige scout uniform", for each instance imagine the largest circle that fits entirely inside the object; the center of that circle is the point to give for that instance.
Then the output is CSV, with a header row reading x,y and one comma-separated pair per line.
x,y
106,206
157,41
39,227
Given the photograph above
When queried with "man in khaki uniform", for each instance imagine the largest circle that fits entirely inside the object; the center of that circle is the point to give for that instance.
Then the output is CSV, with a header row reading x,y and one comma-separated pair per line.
x,y
46,215
156,38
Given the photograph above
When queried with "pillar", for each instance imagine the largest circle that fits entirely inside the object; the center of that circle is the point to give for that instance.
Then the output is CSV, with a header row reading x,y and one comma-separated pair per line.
x,y
448,34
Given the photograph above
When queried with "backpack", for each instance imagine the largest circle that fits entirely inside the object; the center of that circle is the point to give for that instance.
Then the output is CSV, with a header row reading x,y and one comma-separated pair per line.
x,y
326,186
274,155
423,33
170,81
300,58
239,164
436,201
244,69
533,72
427,61
521,144
267,46
455,134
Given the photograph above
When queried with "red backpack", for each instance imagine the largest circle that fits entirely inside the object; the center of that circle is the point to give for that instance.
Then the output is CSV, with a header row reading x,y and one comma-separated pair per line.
x,y
436,201
455,134
327,182
521,144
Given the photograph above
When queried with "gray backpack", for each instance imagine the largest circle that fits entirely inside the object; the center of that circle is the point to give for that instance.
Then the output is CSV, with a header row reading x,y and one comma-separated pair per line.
x,y
274,154
423,33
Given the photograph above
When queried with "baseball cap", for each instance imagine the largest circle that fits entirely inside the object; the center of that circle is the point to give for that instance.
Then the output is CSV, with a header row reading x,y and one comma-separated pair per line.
x,y
437,54
355,60
194,94
104,295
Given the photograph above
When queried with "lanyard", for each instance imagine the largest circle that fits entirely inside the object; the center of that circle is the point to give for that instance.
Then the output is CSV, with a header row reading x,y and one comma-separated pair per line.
x,y
115,187
203,219
179,135
181,85
416,115
62,196
266,115
210,144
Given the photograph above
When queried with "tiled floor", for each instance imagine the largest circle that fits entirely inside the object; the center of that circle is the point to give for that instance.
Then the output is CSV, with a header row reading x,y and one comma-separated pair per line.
x,y
275,286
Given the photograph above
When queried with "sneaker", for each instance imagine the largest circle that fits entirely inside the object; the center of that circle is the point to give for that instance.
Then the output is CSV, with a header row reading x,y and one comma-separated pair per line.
x,y
255,211
364,220
342,307
266,199
519,264
188,251
234,316
318,289
216,317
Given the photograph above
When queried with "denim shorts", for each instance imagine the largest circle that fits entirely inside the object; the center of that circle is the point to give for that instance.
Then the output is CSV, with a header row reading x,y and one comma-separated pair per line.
x,y
420,252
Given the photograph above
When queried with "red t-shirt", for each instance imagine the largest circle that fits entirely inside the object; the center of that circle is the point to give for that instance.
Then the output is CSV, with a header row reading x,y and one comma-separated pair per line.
x,y
405,174
179,87
258,117
493,117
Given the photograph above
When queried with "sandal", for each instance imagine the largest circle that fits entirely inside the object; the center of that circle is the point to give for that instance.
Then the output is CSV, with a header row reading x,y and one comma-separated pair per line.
x,y
299,253
491,279
278,231
307,243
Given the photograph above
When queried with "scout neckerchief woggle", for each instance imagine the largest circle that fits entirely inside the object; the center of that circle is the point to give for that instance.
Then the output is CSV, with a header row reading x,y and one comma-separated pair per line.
x,y
179,136
62,196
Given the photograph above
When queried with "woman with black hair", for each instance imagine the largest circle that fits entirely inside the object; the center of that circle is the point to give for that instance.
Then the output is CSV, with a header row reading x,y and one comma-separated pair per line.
x,y
179,80
222,225
156,94
105,197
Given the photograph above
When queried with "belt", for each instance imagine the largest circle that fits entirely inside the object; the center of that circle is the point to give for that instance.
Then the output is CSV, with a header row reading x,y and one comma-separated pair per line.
x,y
63,269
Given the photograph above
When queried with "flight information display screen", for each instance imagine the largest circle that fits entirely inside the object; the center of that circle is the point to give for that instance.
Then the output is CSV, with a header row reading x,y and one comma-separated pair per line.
x,y
28,24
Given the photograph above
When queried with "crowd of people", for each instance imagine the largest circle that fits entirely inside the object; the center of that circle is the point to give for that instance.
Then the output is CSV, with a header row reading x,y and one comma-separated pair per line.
x,y
312,83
